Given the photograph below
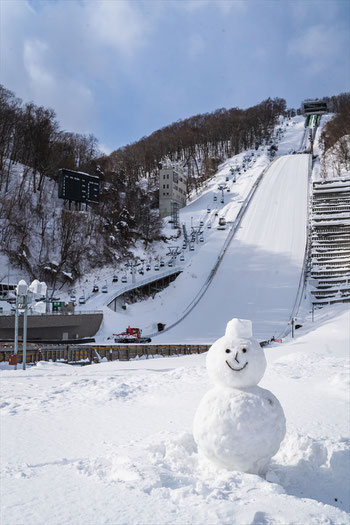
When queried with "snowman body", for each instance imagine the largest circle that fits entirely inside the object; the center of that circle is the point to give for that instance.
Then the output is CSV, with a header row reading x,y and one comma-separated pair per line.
x,y
238,425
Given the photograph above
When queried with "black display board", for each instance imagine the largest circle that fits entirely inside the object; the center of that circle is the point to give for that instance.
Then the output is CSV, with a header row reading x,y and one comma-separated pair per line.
x,y
77,186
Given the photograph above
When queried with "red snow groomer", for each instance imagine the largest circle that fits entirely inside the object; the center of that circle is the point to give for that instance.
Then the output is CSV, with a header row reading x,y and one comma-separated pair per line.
x,y
131,335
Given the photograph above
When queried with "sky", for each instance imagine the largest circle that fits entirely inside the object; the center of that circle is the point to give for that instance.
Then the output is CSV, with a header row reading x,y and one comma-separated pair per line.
x,y
123,69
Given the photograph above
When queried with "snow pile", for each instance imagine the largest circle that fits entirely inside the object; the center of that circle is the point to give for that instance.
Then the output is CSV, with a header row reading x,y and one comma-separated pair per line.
x,y
238,425
112,443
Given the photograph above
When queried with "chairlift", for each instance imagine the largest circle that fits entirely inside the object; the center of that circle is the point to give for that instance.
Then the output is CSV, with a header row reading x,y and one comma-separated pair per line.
x,y
215,198
201,238
222,201
141,271
115,279
209,225
184,246
148,267
161,263
192,247
170,263
222,224
201,223
182,258
208,210
95,288
124,279
156,268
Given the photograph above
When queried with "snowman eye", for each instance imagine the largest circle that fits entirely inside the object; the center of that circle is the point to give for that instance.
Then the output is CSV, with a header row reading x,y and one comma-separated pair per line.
x,y
227,350
244,350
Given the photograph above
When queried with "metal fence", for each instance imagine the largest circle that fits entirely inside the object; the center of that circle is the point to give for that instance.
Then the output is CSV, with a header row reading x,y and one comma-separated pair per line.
x,y
94,353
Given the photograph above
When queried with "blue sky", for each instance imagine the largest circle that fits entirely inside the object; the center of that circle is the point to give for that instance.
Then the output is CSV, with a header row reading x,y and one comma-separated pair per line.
x,y
122,69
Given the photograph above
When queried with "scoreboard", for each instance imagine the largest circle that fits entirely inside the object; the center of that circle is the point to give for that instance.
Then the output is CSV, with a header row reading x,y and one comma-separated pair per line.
x,y
77,186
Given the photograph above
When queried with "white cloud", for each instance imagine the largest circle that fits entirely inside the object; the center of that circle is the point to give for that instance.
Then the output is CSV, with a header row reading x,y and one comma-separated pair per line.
x,y
318,46
34,56
117,24
52,52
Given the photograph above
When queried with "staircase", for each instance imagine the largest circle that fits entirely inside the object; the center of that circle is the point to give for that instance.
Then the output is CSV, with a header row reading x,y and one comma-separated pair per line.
x,y
330,242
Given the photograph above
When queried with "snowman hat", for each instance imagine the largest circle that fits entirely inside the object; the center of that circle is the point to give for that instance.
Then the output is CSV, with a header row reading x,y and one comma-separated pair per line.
x,y
239,329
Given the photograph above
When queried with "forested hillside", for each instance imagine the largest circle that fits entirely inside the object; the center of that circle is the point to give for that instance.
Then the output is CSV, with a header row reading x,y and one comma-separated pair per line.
x,y
39,235
335,140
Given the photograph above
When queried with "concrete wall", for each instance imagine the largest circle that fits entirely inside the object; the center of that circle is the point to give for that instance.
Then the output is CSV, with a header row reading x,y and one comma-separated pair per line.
x,y
53,326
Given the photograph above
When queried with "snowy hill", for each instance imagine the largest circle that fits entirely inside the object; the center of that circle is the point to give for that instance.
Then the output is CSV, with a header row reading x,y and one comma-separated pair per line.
x,y
112,443
261,269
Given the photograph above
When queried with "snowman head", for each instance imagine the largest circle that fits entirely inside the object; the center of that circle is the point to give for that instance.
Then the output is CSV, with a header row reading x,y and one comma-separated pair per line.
x,y
236,360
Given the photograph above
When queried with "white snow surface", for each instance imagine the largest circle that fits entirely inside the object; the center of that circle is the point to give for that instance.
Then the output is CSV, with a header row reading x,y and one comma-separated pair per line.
x,y
259,275
239,429
112,443
235,362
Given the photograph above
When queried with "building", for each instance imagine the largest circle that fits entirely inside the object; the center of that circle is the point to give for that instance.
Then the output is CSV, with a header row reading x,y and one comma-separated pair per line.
x,y
314,107
172,191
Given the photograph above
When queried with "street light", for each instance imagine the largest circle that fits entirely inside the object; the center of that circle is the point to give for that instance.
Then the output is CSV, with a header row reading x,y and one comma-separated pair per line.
x,y
24,297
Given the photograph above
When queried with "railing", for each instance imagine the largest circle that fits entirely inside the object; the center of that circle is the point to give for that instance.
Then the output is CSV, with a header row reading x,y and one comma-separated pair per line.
x,y
38,314
95,353
143,282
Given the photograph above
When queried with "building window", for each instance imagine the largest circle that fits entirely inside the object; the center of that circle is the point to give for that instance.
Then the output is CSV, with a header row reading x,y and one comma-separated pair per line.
x,y
167,185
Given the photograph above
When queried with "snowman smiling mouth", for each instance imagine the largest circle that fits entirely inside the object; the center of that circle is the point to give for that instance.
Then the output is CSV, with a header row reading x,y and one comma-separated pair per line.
x,y
237,369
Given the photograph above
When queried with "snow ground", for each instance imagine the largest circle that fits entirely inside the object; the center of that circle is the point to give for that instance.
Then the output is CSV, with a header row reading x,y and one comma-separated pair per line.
x,y
269,243
112,443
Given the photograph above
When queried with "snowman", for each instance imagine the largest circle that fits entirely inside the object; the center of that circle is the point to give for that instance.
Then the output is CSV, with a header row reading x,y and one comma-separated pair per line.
x,y
238,425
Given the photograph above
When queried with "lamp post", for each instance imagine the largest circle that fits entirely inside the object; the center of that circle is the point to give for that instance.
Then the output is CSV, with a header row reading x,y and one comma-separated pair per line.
x,y
21,303
24,297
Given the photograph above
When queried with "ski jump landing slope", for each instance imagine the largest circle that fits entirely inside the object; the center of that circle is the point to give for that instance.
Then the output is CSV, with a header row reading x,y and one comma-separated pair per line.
x,y
259,276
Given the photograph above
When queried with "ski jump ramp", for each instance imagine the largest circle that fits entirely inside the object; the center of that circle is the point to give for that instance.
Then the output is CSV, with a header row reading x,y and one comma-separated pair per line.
x,y
259,276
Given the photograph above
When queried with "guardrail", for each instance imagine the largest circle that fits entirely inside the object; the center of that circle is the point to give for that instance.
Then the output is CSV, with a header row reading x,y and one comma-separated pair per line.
x,y
50,314
95,353
143,282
